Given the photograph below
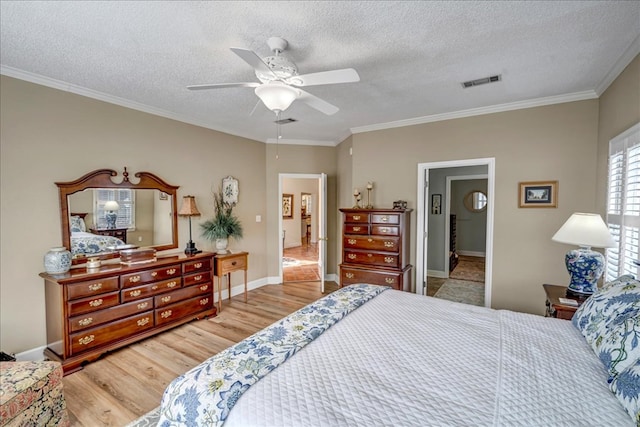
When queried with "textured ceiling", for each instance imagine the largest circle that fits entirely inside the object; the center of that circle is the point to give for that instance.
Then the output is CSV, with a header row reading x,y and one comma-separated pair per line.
x,y
411,56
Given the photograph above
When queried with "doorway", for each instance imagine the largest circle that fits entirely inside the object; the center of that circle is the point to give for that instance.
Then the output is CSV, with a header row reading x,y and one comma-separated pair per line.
x,y
302,226
435,226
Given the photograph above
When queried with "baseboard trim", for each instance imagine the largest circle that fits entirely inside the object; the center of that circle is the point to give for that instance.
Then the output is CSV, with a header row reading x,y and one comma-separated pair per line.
x,y
33,355
437,273
472,253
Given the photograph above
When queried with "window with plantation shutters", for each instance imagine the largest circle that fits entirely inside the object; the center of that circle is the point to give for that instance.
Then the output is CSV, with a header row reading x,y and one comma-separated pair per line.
x,y
623,203
126,211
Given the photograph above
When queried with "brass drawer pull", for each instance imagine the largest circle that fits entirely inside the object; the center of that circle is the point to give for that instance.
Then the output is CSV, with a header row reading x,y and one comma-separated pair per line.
x,y
198,277
96,302
85,322
349,275
204,287
154,287
135,293
384,218
388,259
142,305
369,255
95,287
352,241
86,340
197,265
369,240
172,284
134,279
154,273
384,230
166,299
143,321
171,271
389,244
389,280
356,217
204,301
166,314
352,256
357,228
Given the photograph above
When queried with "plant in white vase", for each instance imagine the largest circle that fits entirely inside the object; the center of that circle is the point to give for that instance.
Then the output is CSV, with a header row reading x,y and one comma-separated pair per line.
x,y
223,225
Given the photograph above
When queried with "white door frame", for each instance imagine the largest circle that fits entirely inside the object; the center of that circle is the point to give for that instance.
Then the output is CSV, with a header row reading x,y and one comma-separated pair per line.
x,y
422,218
322,218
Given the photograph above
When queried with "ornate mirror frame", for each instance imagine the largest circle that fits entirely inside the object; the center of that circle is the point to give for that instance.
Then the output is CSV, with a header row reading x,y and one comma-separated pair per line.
x,y
102,178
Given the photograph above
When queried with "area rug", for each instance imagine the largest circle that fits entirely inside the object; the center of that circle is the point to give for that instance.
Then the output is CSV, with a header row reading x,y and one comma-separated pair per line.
x,y
462,291
149,419
289,262
469,268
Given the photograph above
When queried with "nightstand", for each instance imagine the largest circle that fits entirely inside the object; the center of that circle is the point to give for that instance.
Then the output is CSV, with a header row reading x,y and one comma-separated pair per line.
x,y
554,307
120,233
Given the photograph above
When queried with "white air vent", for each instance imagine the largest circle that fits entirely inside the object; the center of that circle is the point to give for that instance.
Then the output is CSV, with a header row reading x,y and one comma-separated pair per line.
x,y
285,121
485,80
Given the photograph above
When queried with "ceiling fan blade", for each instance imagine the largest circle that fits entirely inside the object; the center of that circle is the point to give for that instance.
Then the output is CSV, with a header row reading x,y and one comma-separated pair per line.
x,y
222,85
254,107
346,75
251,58
317,103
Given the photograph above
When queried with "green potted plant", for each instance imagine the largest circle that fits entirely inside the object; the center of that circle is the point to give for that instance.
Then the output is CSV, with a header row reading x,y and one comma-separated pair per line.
x,y
223,225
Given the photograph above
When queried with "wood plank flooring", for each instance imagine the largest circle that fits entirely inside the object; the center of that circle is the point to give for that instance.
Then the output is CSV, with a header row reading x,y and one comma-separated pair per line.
x,y
128,383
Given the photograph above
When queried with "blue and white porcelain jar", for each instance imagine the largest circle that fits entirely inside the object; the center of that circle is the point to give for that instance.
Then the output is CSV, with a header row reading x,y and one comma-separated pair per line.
x,y
57,260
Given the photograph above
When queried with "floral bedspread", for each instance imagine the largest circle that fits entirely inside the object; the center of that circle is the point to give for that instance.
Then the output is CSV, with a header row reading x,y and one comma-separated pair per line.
x,y
88,243
206,394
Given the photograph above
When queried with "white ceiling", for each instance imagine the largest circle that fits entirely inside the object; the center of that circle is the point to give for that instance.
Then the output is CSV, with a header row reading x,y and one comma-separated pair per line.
x,y
411,57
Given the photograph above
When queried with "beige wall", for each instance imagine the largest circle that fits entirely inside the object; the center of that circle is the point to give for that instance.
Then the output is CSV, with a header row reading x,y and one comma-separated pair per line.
x,y
619,110
49,135
556,142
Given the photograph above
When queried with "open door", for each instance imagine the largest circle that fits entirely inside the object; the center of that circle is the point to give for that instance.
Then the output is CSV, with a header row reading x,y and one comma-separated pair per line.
x,y
322,238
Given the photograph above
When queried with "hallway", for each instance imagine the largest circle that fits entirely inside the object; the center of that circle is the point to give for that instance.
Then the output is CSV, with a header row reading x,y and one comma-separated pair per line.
x,y
300,263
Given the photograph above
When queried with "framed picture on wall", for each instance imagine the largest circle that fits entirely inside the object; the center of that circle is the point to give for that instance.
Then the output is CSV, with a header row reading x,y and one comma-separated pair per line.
x,y
538,194
287,206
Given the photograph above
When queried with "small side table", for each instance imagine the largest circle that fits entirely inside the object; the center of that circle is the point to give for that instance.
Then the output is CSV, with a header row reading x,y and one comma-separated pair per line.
x,y
557,309
224,265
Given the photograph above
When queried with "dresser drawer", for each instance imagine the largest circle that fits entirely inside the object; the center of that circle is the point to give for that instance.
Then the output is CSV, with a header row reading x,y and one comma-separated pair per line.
x,y
97,302
182,294
193,279
198,265
95,318
389,244
113,331
177,311
385,230
371,258
92,287
349,276
150,289
362,218
141,277
393,219
356,229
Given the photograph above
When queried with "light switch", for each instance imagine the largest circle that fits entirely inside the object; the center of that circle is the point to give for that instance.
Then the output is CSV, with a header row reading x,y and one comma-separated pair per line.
x,y
258,218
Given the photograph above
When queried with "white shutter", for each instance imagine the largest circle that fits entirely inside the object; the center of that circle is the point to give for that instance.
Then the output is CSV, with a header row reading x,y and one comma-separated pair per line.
x,y
126,211
623,203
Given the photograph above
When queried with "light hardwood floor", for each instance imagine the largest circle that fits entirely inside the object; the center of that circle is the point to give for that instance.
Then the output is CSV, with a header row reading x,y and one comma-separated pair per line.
x,y
128,383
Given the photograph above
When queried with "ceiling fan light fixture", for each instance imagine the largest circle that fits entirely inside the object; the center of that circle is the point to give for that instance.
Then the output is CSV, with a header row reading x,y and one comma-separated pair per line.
x,y
277,96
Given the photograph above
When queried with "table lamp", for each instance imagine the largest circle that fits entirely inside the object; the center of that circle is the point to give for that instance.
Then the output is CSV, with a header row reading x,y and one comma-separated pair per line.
x,y
189,209
111,207
584,265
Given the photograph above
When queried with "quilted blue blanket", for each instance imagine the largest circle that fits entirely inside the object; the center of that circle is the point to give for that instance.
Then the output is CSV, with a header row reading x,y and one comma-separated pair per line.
x,y
206,394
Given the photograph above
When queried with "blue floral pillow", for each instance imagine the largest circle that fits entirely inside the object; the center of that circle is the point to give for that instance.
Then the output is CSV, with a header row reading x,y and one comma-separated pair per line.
x,y
77,224
604,305
618,345
626,387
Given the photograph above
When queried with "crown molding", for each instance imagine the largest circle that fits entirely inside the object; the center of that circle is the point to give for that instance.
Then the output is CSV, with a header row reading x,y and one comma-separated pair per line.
x,y
538,102
629,54
319,143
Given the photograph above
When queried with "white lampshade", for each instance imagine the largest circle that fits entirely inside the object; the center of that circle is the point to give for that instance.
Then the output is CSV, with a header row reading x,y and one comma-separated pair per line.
x,y
277,96
111,205
585,229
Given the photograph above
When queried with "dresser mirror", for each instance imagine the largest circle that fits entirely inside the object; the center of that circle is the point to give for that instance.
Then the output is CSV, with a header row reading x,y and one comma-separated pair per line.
x,y
100,217
475,201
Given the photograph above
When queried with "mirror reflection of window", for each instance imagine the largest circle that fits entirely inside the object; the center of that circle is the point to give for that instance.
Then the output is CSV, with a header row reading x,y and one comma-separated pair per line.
x,y
126,207
479,200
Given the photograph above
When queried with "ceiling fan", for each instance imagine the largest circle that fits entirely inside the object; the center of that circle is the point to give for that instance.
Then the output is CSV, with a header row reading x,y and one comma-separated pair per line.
x,y
280,82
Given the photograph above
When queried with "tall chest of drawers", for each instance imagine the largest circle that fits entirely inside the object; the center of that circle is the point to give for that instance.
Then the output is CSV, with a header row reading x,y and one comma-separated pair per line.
x,y
375,247
91,312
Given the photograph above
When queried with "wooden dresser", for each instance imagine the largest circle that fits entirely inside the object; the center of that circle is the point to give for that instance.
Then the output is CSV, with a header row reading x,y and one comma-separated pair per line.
x,y
375,247
119,233
92,312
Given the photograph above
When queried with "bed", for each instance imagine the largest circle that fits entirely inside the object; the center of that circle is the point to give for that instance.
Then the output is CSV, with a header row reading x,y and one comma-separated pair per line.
x,y
85,243
369,355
